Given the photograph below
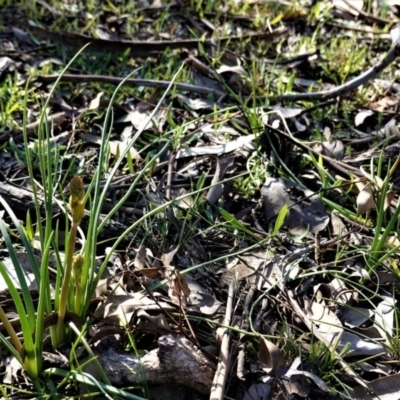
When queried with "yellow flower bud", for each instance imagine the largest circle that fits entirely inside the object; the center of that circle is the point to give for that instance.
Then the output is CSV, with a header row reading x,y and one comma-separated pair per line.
x,y
77,213
77,266
77,195
77,189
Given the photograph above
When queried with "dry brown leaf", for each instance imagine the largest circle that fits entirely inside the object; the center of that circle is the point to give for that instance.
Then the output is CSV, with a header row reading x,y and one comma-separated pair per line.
x,y
26,265
94,103
206,303
388,199
140,259
102,287
115,147
393,240
326,321
269,355
305,216
365,200
181,286
361,116
158,320
150,272
385,318
216,191
150,103
124,306
178,288
168,257
142,265
350,7
386,388
384,104
338,226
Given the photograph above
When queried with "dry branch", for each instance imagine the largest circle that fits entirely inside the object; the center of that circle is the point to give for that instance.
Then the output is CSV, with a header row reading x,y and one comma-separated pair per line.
x,y
338,91
221,374
140,48
113,80
372,73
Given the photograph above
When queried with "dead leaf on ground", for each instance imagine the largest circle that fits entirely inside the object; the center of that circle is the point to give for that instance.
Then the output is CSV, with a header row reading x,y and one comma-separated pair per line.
x,y
306,212
325,321
386,388
116,148
95,103
384,103
361,116
29,276
294,371
178,289
214,194
197,104
356,316
125,306
270,356
206,303
143,266
168,257
385,318
140,119
243,141
259,391
365,199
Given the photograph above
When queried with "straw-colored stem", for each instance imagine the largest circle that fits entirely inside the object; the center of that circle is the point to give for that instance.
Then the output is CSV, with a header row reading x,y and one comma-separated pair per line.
x,y
10,330
65,284
78,299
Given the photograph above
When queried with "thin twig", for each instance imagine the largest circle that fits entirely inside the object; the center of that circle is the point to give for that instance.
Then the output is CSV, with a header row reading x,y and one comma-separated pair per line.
x,y
323,95
368,17
338,91
171,167
141,48
342,167
221,374
129,82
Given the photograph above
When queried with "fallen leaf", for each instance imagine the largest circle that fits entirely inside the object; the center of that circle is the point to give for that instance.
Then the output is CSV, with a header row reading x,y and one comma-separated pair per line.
x,y
168,257
361,116
306,211
326,321
243,141
269,355
94,104
216,190
387,388
365,200
116,147
206,303
125,306
259,391
385,317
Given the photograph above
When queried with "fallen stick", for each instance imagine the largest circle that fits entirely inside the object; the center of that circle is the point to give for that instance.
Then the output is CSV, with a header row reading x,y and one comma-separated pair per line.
x,y
221,374
113,80
141,48
338,91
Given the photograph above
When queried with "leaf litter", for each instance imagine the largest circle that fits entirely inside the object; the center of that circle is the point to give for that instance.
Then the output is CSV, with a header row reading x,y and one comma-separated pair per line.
x,y
308,295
